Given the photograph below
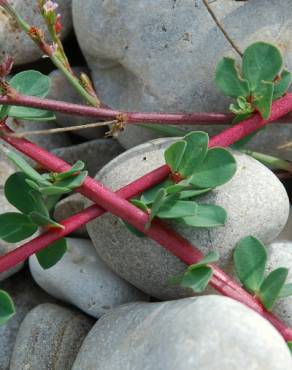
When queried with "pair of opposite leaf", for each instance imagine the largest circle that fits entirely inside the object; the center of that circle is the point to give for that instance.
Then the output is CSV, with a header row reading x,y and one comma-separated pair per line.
x,y
35,195
260,80
195,170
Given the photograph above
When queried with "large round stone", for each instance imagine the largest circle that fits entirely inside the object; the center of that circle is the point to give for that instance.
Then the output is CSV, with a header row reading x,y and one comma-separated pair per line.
x,y
255,200
205,333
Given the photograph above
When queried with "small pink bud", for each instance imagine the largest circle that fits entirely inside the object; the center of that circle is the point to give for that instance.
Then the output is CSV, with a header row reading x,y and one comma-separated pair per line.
x,y
50,6
58,24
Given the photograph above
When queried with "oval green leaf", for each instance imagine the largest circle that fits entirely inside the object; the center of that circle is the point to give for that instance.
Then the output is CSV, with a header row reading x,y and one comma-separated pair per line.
x,y
207,215
7,308
197,279
52,254
15,227
174,154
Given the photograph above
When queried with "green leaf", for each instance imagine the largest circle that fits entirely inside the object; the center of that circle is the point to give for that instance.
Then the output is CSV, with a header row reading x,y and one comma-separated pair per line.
x,y
211,257
281,86
228,79
7,308
272,286
250,258
286,291
72,182
54,190
15,227
289,343
188,194
174,154
174,208
208,215
195,152
218,168
263,98
26,168
157,204
39,203
197,279
31,83
17,192
76,168
166,130
52,254
44,221
149,195
261,62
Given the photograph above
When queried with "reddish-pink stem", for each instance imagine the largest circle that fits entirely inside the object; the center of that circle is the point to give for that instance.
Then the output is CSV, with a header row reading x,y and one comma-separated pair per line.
x,y
159,232
109,114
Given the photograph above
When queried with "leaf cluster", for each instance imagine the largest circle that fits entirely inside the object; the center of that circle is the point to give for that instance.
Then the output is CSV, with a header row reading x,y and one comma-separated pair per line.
x,y
250,260
31,83
195,170
260,80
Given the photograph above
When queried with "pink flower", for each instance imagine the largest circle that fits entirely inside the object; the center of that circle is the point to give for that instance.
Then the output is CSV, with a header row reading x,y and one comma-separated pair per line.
x,y
49,6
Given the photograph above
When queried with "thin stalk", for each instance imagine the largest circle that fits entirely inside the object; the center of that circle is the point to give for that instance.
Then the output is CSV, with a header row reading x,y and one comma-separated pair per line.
x,y
37,37
159,232
272,162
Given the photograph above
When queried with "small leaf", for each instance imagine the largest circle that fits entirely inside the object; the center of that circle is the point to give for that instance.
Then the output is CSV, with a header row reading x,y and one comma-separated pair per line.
x,y
76,168
15,227
195,152
187,194
281,86
39,203
263,98
157,204
208,215
22,200
286,291
7,308
174,154
26,168
261,62
44,221
54,190
218,168
250,258
289,343
211,257
174,208
149,195
73,182
272,286
31,114
228,79
51,255
197,279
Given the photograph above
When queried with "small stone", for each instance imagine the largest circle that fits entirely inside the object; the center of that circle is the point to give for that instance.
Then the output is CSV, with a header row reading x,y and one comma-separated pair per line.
x,y
26,295
49,338
286,233
280,255
69,206
95,153
46,141
203,333
62,90
161,56
15,42
83,280
255,200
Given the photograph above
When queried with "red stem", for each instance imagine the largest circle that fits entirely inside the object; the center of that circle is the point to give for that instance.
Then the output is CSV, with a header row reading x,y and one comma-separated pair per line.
x,y
159,232
109,114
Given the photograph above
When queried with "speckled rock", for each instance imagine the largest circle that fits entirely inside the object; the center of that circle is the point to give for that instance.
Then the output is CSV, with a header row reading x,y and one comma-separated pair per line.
x,y
68,207
49,338
205,333
46,141
62,90
149,55
286,233
95,153
255,200
83,280
15,42
280,255
26,295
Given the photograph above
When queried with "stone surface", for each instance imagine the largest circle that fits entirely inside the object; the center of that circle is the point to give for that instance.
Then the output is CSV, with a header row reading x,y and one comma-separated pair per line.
x,y
49,338
63,91
286,233
15,42
280,255
70,206
95,153
26,295
255,200
205,333
160,55
46,141
83,280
